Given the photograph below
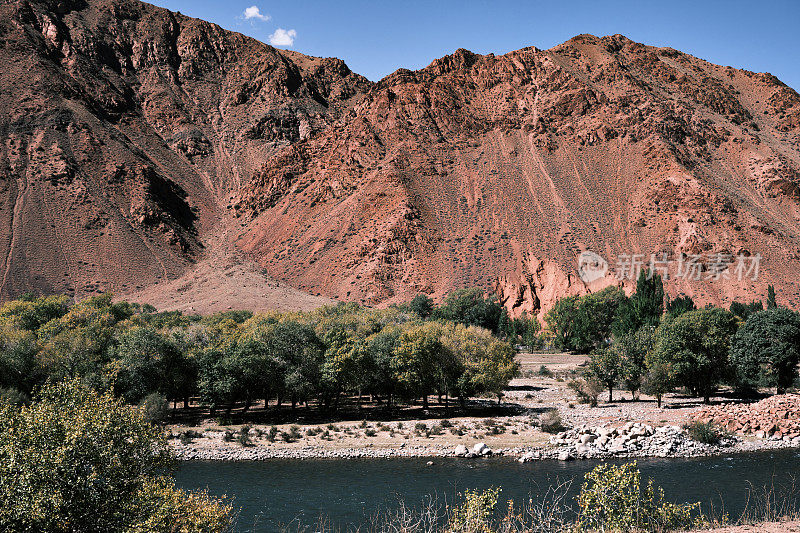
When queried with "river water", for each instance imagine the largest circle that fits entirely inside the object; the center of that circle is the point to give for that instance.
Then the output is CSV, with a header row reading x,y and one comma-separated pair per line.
x,y
274,493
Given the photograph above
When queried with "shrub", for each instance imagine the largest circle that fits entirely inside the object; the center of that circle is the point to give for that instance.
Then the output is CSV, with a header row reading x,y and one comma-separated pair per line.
x,y
292,435
243,437
545,372
705,432
550,421
154,408
83,461
446,423
272,434
227,436
14,396
475,513
612,499
186,437
586,389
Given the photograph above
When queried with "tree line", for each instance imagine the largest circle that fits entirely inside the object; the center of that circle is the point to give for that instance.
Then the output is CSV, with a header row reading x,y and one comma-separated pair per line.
x,y
460,349
651,343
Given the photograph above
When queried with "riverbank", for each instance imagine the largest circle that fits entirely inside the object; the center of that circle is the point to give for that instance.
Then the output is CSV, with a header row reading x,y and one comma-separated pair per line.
x,y
531,398
209,450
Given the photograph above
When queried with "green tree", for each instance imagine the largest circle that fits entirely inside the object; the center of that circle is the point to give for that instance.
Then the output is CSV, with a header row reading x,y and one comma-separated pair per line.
x,y
657,381
633,347
606,367
771,301
505,326
32,314
766,349
415,359
471,308
644,307
695,347
581,324
680,305
743,311
148,363
422,305
75,460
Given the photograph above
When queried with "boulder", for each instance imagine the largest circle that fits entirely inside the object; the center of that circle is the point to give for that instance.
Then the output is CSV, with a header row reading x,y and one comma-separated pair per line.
x,y
460,451
481,449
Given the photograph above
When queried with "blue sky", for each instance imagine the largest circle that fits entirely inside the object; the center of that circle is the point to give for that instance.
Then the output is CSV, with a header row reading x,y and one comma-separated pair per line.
x,y
377,37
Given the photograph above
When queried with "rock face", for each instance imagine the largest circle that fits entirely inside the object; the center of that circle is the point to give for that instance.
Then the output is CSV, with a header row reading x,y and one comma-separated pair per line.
x,y
776,417
132,136
126,129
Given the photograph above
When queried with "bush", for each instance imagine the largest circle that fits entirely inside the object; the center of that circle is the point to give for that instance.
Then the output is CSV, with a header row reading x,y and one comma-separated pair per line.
x,y
586,389
14,396
545,372
613,499
155,408
705,432
292,435
550,421
475,513
78,460
227,436
243,437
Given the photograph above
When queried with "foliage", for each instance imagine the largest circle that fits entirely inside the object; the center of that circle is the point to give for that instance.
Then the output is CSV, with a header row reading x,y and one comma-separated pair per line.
x,y
587,389
581,324
743,311
633,348
550,421
680,305
76,460
475,512
422,305
606,366
612,498
471,308
154,408
771,301
705,432
657,381
766,349
644,307
694,346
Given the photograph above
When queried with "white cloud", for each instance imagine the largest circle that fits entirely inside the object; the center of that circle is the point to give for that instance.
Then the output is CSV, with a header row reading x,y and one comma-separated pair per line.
x,y
282,37
253,12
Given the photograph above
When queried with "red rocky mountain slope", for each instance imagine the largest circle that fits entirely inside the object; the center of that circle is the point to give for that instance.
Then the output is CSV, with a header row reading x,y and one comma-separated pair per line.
x,y
139,144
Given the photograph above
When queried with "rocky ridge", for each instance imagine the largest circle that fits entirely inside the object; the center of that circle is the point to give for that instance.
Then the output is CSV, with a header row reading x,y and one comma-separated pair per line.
x,y
133,136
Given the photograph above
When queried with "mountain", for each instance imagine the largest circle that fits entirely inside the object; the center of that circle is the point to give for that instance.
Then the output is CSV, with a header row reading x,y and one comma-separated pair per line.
x,y
165,158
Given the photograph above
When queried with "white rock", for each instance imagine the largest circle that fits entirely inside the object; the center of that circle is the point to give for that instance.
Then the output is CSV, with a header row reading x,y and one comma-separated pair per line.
x,y
481,449
461,450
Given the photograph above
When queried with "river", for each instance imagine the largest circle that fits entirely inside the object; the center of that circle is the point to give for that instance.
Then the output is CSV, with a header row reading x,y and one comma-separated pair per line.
x,y
278,492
